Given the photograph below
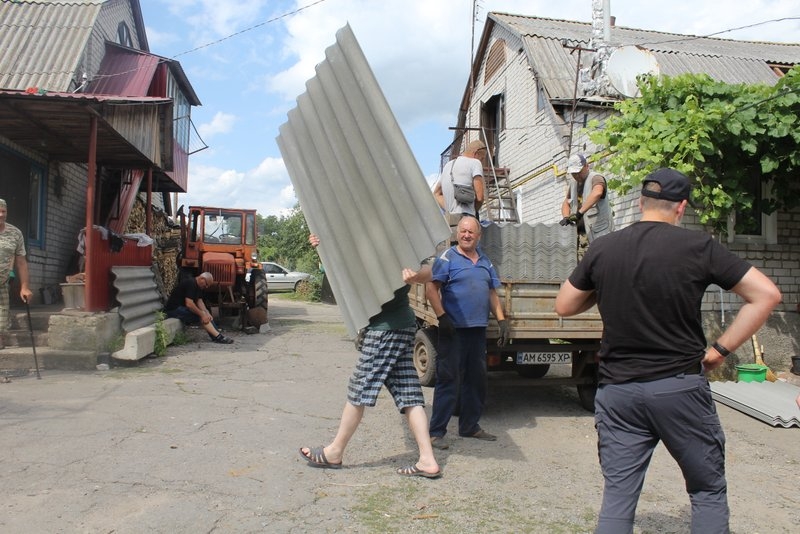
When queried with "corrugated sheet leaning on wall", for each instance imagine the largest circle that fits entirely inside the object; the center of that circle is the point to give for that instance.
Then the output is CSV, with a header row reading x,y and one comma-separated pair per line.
x,y
360,187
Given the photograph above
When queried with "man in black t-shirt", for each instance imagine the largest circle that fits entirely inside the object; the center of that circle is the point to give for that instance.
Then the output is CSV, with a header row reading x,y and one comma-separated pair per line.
x,y
186,303
648,281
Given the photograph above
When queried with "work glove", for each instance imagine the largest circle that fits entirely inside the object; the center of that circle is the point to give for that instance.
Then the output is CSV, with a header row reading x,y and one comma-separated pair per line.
x,y
502,340
446,326
571,219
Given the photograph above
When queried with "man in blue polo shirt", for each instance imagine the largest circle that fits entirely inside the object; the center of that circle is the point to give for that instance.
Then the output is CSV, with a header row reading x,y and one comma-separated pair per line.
x,y
462,294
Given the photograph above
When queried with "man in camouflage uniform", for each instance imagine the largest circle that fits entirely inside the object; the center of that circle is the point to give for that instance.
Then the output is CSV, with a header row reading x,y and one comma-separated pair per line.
x,y
12,253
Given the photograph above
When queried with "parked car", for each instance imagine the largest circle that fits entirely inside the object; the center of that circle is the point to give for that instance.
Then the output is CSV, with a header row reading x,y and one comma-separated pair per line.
x,y
280,278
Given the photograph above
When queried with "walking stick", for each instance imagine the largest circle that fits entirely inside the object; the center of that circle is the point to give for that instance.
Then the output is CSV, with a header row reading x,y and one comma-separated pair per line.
x,y
33,341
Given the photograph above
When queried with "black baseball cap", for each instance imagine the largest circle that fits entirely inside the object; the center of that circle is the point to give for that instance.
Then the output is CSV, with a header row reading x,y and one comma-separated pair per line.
x,y
675,185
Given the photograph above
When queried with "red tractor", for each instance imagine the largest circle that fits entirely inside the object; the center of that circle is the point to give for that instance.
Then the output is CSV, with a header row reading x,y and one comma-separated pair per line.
x,y
223,241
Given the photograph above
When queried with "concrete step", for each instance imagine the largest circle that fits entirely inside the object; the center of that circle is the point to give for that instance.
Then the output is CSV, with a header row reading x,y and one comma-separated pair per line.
x,y
22,338
18,360
40,317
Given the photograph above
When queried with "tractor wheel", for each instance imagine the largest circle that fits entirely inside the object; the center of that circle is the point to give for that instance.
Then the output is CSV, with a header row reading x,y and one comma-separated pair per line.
x,y
258,288
425,356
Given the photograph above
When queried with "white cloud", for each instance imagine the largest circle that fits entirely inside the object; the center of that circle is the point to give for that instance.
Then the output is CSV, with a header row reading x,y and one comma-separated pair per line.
x,y
221,123
158,39
263,188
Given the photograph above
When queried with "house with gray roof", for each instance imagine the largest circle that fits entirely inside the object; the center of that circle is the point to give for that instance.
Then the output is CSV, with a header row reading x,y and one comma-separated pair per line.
x,y
90,120
536,83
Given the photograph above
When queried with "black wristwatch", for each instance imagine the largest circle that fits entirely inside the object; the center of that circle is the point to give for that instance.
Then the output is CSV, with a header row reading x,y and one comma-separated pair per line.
x,y
722,350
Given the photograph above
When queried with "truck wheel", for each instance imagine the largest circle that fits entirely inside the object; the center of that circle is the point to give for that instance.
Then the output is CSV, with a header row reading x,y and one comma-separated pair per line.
x,y
586,393
533,371
425,356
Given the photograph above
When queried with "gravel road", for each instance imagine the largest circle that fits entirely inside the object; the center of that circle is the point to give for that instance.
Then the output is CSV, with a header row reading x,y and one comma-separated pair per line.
x,y
206,440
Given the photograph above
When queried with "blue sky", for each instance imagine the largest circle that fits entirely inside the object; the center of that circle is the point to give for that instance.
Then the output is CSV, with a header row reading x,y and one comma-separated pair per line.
x,y
248,60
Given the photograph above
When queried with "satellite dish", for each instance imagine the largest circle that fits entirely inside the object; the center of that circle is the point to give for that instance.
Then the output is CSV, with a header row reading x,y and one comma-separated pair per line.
x,y
625,64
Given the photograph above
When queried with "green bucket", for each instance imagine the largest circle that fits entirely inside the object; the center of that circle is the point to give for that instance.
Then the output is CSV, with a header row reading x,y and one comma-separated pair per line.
x,y
752,372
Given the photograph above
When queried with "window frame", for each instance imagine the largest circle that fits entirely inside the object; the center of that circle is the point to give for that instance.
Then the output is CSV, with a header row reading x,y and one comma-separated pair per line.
x,y
37,205
769,223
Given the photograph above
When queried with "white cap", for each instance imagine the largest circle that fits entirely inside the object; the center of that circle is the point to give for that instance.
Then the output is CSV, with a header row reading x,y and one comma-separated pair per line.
x,y
576,163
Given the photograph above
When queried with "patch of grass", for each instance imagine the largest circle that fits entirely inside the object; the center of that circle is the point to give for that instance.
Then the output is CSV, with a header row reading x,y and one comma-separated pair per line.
x,y
117,343
162,337
412,507
180,338
310,290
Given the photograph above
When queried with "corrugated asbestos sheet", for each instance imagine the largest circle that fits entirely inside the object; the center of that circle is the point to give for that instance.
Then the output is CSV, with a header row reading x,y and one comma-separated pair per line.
x,y
138,296
530,253
722,59
771,402
361,190
42,42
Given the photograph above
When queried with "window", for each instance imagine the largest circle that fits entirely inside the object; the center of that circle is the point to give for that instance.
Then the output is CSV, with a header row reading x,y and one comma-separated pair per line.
x,y
493,122
754,226
181,113
36,206
250,231
124,35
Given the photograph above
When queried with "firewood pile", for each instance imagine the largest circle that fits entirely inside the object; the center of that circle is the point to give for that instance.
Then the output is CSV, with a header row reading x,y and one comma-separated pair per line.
x,y
167,244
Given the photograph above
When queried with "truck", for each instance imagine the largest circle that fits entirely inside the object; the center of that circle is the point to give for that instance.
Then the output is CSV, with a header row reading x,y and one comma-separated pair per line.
x,y
223,241
532,261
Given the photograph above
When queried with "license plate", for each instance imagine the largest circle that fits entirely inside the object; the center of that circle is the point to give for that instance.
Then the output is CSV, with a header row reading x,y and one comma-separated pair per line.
x,y
539,358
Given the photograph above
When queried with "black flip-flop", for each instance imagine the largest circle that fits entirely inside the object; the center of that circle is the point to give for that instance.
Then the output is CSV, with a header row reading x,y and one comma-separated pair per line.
x,y
414,471
316,458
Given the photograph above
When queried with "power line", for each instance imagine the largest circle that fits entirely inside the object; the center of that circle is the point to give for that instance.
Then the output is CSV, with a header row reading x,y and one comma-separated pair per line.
x,y
279,17
696,37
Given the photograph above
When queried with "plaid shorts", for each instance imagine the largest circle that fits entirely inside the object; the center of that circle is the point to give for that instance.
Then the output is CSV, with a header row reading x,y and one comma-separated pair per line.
x,y
386,359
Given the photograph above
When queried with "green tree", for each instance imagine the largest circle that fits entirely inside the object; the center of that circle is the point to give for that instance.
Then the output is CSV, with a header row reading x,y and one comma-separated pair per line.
x,y
284,240
723,136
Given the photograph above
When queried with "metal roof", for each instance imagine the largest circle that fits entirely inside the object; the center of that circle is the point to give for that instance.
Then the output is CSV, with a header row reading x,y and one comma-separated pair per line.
x,y
361,190
42,42
130,72
723,59
771,402
124,72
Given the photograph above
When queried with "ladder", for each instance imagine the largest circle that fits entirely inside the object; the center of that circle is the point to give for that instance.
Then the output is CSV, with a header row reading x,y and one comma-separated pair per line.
x,y
498,196
499,200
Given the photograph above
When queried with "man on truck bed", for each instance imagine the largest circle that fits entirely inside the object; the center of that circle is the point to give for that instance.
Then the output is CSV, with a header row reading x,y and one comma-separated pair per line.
x,y
648,281
462,292
586,204
460,188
